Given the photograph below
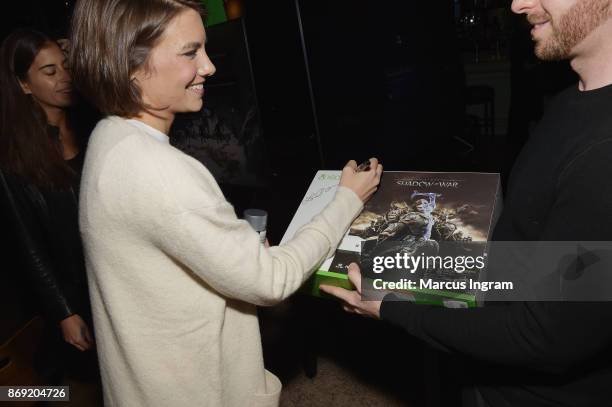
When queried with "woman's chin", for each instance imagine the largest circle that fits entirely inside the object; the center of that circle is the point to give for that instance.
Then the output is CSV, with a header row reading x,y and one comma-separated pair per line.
x,y
64,102
194,106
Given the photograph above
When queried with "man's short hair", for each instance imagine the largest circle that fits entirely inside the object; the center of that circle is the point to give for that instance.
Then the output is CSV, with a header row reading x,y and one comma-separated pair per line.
x,y
110,41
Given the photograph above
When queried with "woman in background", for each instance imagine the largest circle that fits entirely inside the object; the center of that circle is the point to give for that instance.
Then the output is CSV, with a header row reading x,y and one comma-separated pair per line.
x,y
174,275
41,158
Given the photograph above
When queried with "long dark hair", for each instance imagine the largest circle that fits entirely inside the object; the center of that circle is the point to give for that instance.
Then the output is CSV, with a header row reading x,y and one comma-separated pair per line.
x,y
26,148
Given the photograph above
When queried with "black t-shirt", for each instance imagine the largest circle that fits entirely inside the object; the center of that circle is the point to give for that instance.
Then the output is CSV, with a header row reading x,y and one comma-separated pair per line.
x,y
541,354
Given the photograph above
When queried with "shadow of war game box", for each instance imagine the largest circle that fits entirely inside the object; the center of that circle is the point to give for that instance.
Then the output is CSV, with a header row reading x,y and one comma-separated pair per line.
x,y
413,236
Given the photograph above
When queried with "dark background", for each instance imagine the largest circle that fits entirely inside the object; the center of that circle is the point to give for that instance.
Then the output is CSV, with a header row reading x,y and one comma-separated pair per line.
x,y
352,79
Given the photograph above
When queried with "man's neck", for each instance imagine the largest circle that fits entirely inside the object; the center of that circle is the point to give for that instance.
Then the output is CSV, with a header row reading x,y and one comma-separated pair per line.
x,y
593,60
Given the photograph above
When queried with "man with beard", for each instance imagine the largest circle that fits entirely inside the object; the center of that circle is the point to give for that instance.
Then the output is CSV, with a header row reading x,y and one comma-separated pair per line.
x,y
540,353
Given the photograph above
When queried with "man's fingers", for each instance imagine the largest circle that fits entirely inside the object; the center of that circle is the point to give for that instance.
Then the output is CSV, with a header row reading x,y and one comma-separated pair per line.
x,y
354,275
338,292
348,308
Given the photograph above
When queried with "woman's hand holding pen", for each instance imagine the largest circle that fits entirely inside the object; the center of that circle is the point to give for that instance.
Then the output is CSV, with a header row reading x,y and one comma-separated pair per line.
x,y
362,179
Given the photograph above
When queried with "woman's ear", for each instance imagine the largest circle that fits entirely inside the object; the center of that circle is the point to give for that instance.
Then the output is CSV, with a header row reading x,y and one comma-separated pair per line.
x,y
25,87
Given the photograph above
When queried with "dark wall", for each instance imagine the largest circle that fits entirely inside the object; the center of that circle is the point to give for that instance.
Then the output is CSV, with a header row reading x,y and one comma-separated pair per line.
x,y
386,78
282,87
49,16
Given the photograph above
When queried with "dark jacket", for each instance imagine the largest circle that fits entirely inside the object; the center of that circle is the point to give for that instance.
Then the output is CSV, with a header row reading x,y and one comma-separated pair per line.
x,y
44,225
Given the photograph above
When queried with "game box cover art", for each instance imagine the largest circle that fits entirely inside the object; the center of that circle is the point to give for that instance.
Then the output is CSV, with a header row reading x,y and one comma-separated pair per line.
x,y
426,214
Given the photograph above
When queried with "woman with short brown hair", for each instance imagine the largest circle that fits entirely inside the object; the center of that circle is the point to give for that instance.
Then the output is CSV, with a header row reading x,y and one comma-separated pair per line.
x,y
174,275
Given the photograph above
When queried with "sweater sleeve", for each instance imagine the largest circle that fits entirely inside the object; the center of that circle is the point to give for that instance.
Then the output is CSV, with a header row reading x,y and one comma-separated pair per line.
x,y
545,336
226,252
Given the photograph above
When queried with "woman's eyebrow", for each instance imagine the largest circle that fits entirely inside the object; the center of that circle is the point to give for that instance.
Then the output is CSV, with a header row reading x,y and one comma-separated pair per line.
x,y
191,45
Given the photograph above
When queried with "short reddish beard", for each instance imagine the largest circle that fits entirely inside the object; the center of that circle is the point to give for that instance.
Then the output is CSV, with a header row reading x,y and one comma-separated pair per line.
x,y
571,29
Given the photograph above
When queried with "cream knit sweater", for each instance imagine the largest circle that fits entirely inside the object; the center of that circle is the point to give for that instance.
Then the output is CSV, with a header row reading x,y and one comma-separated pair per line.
x,y
174,276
